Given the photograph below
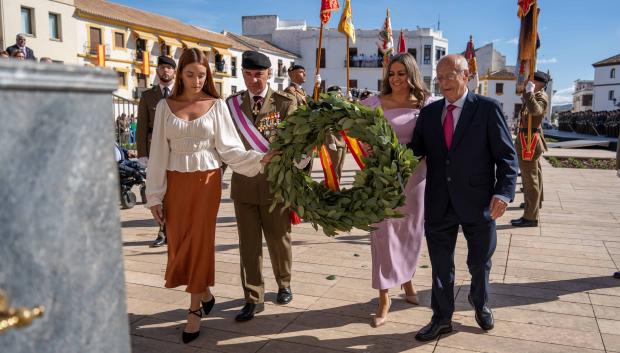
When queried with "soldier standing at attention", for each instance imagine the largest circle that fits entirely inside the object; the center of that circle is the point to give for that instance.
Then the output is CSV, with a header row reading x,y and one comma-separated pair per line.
x,y
535,105
257,113
297,75
166,67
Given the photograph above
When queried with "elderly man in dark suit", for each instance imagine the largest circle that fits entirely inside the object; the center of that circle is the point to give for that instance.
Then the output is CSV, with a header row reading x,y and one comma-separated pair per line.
x,y
471,177
20,44
166,67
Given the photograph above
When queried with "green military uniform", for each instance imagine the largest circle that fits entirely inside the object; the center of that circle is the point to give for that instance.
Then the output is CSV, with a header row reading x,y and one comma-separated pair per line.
x,y
252,199
535,105
298,92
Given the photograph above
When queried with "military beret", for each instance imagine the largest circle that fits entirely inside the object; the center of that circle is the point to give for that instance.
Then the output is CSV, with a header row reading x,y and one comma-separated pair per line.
x,y
253,60
541,77
165,60
296,67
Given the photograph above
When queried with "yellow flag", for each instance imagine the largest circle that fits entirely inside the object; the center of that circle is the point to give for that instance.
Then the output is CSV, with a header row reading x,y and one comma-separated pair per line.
x,y
346,21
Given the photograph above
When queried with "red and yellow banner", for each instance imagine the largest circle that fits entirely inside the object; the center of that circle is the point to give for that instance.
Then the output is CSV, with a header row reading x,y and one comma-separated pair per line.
x,y
101,55
146,63
331,178
327,6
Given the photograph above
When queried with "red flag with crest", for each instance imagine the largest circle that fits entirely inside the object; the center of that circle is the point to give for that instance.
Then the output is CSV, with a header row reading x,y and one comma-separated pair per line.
x,y
327,6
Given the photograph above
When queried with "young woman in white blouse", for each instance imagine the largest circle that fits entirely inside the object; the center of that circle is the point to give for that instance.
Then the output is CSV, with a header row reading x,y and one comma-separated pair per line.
x,y
193,135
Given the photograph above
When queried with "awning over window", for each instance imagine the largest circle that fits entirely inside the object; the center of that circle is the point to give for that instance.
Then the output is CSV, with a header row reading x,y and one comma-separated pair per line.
x,y
171,41
145,35
223,51
195,45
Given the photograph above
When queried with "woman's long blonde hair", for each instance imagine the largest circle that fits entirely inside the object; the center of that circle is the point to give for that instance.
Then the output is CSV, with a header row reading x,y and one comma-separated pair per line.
x,y
417,88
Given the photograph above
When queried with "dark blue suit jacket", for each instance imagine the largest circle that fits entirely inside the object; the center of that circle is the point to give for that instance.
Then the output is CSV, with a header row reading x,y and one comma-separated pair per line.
x,y
481,162
29,52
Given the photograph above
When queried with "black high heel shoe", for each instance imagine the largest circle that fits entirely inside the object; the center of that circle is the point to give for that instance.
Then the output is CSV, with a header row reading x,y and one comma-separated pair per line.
x,y
190,336
207,306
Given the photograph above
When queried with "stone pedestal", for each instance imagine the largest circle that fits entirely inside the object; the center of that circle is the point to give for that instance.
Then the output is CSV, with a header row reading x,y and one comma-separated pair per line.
x,y
60,243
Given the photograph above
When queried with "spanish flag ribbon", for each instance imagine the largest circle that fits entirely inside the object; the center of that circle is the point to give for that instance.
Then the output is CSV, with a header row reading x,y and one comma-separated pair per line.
x,y
356,148
331,178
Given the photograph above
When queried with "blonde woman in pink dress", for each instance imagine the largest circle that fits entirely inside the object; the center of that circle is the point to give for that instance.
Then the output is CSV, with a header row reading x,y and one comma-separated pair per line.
x,y
396,243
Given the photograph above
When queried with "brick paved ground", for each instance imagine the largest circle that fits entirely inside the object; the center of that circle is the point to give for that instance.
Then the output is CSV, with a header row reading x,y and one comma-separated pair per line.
x,y
552,289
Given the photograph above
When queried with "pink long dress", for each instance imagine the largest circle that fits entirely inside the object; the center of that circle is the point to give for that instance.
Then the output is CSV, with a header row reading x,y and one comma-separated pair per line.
x,y
396,243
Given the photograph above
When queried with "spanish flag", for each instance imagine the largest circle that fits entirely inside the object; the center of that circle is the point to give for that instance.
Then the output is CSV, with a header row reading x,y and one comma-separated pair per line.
x,y
346,22
327,6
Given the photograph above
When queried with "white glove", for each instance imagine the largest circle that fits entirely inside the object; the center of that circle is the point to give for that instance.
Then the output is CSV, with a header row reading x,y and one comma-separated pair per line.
x,y
529,88
332,146
618,173
303,163
143,161
318,80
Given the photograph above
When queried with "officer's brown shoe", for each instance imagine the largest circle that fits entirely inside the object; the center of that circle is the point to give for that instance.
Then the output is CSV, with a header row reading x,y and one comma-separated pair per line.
x,y
522,222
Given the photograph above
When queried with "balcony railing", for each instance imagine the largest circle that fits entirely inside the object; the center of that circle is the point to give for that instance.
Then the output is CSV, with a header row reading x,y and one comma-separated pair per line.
x,y
372,62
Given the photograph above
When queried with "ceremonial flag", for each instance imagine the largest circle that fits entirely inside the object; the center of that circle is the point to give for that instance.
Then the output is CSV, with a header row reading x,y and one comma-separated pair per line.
x,y
346,21
387,45
327,6
470,55
402,45
528,42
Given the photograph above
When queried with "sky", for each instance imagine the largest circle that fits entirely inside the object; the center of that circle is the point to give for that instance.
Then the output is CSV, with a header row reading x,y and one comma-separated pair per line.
x,y
574,33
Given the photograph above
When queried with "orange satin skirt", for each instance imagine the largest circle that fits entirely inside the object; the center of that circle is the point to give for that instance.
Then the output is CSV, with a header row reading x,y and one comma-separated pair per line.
x,y
190,208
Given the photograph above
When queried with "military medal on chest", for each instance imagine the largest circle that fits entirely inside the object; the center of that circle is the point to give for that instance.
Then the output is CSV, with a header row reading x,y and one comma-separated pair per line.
x,y
268,125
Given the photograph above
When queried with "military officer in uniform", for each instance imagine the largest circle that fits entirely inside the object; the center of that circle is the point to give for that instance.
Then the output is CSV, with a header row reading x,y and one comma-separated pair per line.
x,y
297,75
166,67
263,108
535,105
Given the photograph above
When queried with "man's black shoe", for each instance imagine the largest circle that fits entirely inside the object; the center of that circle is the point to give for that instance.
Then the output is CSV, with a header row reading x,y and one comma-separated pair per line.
x,y
522,205
617,275
432,331
160,240
522,222
484,316
284,295
248,311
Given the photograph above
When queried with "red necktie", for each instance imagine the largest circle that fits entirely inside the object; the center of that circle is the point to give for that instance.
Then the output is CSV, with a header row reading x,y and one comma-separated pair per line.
x,y
448,125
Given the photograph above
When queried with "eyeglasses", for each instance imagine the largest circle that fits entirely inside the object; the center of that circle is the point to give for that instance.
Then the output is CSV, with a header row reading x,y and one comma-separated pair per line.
x,y
449,77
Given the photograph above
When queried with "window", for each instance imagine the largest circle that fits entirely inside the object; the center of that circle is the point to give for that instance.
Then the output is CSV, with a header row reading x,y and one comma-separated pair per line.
x,y
322,57
27,20
233,89
140,47
122,78
119,40
427,82
499,88
54,26
322,86
611,95
281,72
94,39
352,83
218,88
352,55
233,68
141,80
413,53
587,100
164,49
427,54
612,74
439,53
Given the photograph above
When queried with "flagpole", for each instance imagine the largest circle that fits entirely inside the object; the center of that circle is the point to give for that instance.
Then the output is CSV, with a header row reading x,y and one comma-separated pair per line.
x,y
348,70
315,94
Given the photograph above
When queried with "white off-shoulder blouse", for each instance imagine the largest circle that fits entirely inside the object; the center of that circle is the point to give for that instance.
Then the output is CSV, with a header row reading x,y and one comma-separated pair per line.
x,y
198,145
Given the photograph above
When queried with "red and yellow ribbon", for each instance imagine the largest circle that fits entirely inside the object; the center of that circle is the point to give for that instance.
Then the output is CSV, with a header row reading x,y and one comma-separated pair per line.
x,y
356,148
331,178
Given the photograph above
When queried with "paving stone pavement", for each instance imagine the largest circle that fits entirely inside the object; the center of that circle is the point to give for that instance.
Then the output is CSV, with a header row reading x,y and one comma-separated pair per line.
x,y
552,289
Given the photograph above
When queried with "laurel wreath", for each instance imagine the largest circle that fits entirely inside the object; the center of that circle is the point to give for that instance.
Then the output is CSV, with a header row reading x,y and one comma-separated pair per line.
x,y
378,189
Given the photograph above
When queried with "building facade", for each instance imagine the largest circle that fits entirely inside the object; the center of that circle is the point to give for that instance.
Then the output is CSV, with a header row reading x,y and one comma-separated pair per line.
x,y
425,44
606,94
582,96
48,25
